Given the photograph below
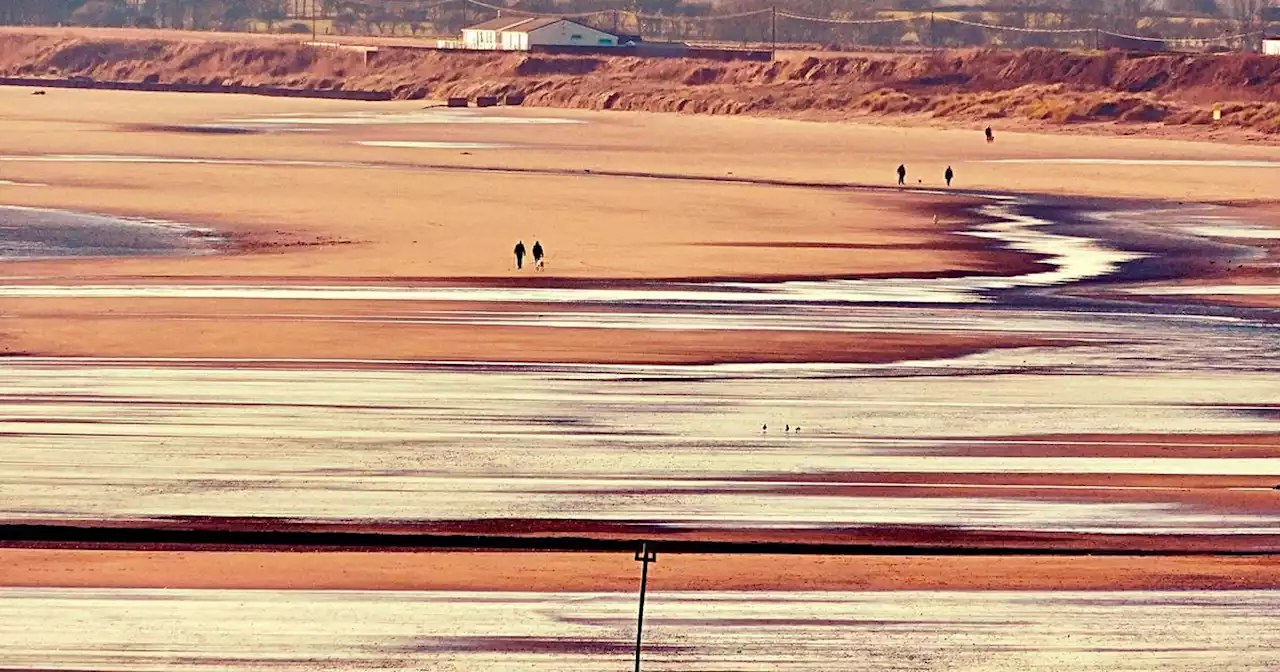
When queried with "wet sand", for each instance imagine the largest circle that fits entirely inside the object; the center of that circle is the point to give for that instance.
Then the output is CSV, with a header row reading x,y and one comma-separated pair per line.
x,y
201,328
1250,279
670,452
259,631
32,233
573,572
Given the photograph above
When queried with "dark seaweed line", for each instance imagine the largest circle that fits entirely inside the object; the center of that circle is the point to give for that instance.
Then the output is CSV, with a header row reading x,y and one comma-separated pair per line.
x,y
22,535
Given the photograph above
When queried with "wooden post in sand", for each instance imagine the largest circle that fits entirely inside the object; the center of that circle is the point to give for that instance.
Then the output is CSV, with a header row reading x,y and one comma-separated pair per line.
x,y
644,556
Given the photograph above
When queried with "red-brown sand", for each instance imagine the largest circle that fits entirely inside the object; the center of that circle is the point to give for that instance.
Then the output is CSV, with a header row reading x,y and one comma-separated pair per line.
x,y
519,571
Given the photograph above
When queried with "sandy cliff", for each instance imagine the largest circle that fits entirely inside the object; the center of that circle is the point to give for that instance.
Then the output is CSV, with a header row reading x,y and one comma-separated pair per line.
x,y
1036,85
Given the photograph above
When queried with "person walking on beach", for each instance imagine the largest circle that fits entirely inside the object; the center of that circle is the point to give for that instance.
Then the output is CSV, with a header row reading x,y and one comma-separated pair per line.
x,y
949,174
902,174
991,137
519,255
537,255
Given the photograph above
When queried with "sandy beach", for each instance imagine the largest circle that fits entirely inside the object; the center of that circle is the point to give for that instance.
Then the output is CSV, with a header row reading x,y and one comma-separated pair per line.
x,y
274,391
250,407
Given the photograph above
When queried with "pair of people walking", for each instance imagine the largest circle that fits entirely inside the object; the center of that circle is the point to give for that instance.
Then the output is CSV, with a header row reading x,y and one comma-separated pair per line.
x,y
538,254
902,174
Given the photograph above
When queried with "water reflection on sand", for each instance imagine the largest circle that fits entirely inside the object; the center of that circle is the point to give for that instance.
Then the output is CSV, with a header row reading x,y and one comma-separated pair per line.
x,y
630,444
42,233
262,631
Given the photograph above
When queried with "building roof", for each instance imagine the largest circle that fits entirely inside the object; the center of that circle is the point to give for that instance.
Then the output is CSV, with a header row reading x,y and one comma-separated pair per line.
x,y
534,24
499,24
522,24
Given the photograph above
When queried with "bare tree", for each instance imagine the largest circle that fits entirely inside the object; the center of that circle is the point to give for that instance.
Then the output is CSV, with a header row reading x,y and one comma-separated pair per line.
x,y
36,12
1246,17
414,17
1128,13
383,18
99,13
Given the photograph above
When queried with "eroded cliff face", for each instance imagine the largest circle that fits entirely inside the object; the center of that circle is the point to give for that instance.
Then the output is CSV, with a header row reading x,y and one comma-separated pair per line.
x,y
1037,84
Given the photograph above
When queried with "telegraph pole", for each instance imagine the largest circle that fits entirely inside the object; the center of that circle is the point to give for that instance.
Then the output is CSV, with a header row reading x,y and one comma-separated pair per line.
x,y
773,29
643,556
313,20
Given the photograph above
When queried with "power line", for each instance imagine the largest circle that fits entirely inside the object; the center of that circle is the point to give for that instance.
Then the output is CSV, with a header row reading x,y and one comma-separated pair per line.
x,y
716,17
1015,29
521,12
850,22
1185,40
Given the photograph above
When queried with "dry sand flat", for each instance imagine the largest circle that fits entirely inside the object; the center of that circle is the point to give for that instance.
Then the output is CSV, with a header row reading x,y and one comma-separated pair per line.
x,y
659,226
418,222
379,214
655,143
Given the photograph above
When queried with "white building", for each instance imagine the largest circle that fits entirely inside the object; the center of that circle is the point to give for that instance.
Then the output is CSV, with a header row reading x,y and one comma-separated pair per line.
x,y
487,35
1271,46
520,33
